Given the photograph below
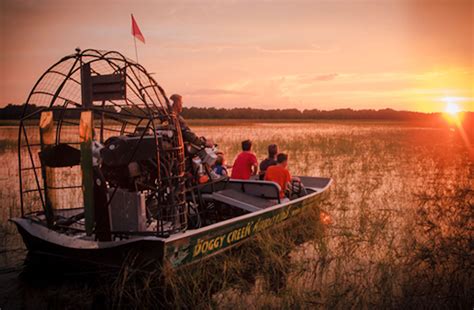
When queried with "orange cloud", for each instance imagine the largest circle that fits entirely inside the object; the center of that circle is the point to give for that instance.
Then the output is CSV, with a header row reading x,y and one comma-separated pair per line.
x,y
217,92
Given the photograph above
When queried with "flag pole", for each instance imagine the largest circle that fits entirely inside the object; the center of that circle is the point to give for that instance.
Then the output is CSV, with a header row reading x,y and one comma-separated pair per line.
x,y
136,51
136,33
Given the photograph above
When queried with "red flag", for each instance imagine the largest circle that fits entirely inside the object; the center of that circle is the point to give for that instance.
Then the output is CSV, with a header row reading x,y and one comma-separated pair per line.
x,y
136,31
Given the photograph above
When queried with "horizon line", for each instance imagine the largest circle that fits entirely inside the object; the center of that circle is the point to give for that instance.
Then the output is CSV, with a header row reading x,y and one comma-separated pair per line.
x,y
289,108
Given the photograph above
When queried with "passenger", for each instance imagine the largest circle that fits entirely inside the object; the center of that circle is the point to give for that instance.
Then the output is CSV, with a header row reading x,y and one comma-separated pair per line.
x,y
188,135
269,161
279,173
245,165
220,167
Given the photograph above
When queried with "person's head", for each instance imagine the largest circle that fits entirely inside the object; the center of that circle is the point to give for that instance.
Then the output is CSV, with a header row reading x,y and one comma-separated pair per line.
x,y
177,103
282,159
246,145
272,150
220,160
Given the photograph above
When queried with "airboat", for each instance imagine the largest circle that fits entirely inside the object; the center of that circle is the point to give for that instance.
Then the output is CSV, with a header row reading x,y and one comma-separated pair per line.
x,y
105,174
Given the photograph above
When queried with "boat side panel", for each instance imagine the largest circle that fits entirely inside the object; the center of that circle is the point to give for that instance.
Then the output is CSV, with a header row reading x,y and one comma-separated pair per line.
x,y
195,247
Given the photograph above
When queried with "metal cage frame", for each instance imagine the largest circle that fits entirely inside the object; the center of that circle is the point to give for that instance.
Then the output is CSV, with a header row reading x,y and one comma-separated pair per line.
x,y
58,90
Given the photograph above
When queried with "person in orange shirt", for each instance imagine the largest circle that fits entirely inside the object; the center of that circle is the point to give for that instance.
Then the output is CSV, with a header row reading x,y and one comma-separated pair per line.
x,y
279,173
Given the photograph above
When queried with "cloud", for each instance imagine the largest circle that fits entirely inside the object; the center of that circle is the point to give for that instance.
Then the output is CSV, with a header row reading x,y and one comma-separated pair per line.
x,y
290,47
201,46
269,47
321,78
217,92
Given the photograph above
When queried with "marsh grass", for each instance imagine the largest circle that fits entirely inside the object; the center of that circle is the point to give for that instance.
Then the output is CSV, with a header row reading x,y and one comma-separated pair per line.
x,y
398,231
262,264
294,266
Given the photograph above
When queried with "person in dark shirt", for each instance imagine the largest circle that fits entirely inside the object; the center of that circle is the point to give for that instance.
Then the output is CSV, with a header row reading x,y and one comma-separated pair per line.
x,y
271,160
220,167
188,135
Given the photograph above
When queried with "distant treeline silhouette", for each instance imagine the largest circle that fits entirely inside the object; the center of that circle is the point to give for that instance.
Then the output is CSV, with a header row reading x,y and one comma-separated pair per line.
x,y
15,112
251,113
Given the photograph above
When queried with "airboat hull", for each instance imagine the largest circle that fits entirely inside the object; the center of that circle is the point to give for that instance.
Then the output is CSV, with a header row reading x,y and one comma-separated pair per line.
x,y
48,247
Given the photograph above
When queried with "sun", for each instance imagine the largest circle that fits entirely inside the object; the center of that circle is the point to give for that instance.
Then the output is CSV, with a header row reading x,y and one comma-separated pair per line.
x,y
452,108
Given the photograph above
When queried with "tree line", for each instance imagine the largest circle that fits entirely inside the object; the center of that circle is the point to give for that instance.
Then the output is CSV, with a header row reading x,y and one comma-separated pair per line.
x,y
15,112
338,114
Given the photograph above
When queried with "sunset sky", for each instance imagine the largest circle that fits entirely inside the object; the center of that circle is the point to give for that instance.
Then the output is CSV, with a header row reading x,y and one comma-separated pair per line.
x,y
324,54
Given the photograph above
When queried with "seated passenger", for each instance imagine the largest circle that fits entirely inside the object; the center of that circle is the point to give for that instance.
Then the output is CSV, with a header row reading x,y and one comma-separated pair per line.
x,y
279,173
220,167
245,165
269,161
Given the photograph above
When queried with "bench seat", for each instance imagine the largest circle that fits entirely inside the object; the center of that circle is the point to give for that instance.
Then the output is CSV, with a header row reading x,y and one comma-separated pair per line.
x,y
241,200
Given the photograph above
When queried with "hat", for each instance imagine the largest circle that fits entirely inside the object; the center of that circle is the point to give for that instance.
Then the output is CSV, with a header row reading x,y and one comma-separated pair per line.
x,y
176,97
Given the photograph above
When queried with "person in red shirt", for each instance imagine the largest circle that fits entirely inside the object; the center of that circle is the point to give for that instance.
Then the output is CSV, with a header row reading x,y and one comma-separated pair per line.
x,y
279,173
245,165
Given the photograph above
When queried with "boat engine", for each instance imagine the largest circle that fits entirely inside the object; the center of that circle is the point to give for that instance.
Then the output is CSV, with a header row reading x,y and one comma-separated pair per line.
x,y
129,164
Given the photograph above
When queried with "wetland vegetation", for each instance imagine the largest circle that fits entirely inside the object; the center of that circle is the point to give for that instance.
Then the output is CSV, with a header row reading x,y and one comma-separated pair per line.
x,y
393,231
